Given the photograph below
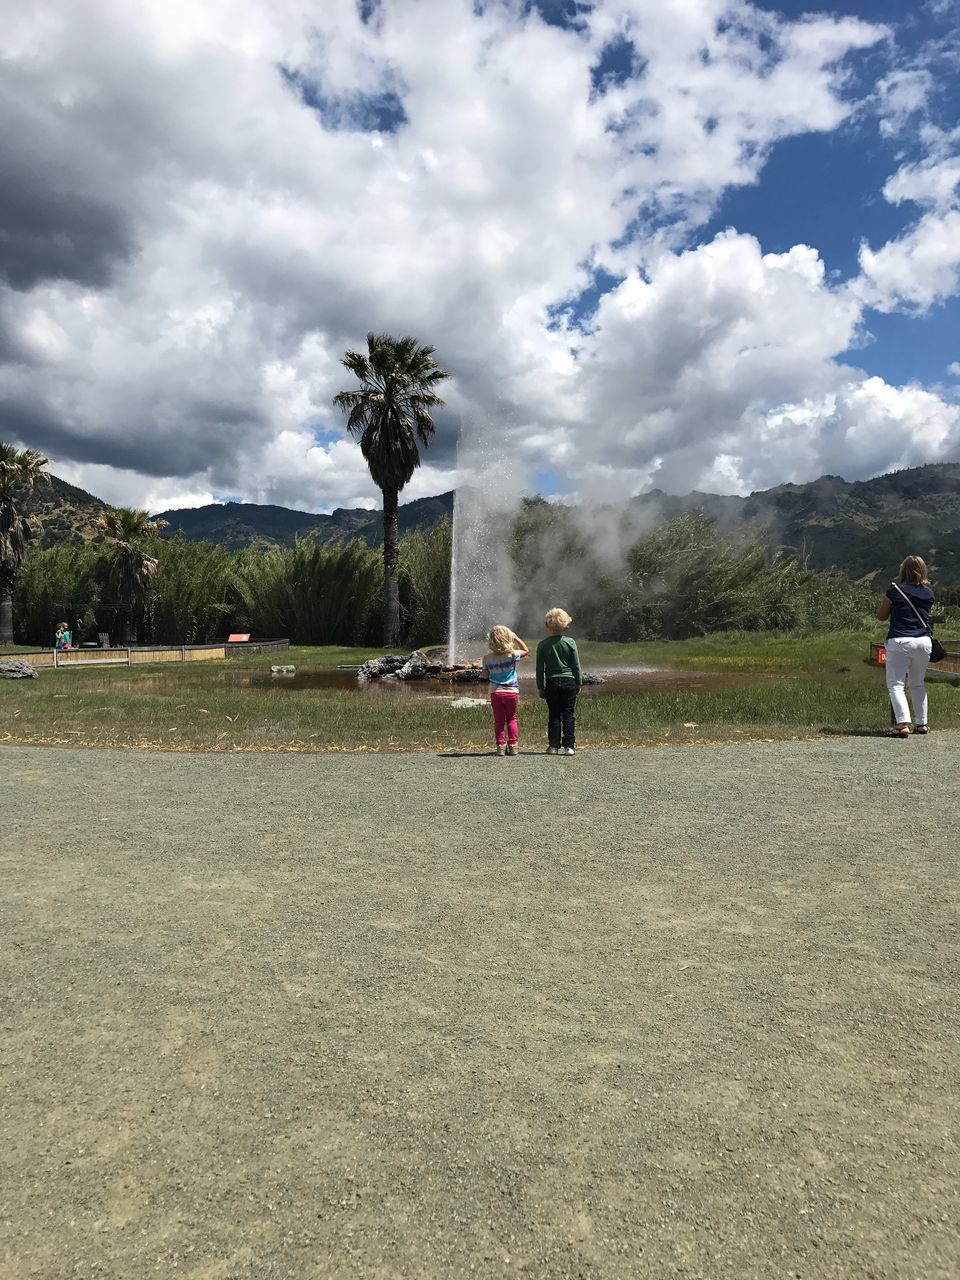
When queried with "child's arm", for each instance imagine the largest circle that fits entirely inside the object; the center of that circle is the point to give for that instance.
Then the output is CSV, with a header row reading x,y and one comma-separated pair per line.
x,y
520,645
575,664
540,669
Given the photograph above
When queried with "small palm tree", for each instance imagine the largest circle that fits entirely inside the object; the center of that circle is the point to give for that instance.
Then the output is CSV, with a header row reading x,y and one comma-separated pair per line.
x,y
20,471
127,569
388,414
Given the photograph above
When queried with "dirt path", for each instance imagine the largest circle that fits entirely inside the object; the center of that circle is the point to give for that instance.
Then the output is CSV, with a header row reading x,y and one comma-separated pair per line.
x,y
637,1014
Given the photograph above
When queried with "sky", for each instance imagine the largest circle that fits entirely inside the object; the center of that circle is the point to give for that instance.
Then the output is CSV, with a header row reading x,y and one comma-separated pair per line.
x,y
684,244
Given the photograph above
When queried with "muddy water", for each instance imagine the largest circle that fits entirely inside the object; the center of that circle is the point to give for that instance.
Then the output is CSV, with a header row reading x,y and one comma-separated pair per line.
x,y
615,680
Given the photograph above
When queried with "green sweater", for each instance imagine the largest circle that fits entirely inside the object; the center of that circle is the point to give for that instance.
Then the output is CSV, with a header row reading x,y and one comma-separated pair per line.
x,y
558,656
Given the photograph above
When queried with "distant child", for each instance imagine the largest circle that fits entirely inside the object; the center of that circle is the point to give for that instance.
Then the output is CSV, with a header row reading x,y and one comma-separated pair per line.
x,y
64,637
500,665
559,680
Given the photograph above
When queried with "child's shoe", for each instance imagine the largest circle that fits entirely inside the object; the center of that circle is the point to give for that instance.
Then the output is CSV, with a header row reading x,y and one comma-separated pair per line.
x,y
501,750
513,749
567,751
553,751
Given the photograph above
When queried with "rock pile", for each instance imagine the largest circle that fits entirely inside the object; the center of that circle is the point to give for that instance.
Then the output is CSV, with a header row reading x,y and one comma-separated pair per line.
x,y
393,666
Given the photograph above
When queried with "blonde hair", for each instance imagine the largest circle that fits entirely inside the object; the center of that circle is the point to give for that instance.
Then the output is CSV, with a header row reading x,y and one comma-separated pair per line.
x,y
500,640
914,571
557,620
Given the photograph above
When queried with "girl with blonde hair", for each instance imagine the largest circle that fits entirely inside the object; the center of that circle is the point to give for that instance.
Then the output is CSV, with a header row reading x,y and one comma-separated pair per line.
x,y
500,664
909,641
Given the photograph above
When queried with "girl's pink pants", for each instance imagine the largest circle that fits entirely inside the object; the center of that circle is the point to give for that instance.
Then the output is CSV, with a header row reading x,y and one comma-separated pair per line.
x,y
505,728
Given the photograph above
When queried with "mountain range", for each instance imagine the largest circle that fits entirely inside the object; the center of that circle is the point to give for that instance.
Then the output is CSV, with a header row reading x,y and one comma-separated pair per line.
x,y
863,528
237,524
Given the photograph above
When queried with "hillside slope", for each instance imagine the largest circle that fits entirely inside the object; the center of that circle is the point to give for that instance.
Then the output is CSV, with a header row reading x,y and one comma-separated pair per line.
x,y
63,512
237,524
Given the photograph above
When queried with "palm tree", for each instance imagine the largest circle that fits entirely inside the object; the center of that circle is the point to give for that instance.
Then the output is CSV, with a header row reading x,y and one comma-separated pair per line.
x,y
20,470
127,569
388,414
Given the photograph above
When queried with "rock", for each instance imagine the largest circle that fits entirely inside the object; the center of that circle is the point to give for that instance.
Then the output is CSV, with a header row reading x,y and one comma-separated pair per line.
x,y
283,671
466,675
13,669
468,703
415,667
376,668
587,678
437,656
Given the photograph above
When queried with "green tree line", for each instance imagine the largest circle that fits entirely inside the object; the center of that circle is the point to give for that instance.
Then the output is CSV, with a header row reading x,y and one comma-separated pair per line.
x,y
196,593
683,579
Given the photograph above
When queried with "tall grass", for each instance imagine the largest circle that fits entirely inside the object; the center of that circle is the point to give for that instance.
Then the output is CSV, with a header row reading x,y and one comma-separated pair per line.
x,y
310,594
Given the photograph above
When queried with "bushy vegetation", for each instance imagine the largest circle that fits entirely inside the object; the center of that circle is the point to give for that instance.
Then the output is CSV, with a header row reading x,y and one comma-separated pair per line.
x,y
683,579
307,593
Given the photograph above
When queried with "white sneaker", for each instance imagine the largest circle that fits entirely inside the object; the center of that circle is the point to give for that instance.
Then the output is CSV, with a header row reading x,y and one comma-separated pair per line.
x,y
513,750
567,751
501,750
553,751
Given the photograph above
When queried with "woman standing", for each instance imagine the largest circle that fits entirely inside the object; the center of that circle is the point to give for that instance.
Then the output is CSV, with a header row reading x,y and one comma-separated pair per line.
x,y
907,605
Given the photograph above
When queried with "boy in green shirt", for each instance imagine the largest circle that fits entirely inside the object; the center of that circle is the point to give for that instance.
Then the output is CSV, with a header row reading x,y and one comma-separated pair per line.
x,y
559,679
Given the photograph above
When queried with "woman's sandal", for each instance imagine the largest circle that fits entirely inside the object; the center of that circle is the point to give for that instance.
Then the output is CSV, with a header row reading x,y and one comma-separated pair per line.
x,y
902,731
921,728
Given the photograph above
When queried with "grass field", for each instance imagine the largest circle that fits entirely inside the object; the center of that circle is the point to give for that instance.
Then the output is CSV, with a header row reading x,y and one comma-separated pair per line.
x,y
826,685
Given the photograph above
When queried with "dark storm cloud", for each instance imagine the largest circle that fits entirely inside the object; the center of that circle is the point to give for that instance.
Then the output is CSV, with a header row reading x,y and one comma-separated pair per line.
x,y
206,435
49,233
54,222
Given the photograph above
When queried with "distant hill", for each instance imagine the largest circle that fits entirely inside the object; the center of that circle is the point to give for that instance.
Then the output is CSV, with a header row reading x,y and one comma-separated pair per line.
x,y
237,524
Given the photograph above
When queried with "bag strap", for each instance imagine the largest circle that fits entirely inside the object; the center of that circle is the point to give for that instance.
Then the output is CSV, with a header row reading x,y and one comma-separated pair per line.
x,y
926,625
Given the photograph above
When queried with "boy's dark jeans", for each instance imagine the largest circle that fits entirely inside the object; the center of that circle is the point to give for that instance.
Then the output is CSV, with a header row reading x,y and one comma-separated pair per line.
x,y
561,694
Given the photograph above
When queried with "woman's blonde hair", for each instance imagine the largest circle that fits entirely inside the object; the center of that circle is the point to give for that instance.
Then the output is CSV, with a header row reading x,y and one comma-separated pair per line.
x,y
500,640
914,571
557,620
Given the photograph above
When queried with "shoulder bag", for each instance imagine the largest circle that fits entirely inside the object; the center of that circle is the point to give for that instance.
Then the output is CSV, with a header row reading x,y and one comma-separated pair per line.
x,y
937,651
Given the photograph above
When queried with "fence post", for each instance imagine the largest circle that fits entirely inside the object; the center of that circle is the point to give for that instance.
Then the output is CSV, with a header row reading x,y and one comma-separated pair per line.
x,y
129,657
56,657
183,653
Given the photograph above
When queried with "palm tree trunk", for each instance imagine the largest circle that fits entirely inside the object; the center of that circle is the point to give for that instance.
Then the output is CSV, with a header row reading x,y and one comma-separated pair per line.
x,y
391,558
6,618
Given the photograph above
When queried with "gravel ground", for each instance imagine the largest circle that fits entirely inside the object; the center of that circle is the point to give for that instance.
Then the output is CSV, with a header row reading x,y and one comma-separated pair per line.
x,y
664,1013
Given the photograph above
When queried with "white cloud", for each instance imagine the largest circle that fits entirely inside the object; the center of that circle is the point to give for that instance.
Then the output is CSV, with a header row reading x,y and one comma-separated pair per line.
x,y
723,368
917,269
901,95
201,237
920,267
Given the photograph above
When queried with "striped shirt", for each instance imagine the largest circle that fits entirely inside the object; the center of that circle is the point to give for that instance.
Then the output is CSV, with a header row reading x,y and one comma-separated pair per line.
x,y
501,669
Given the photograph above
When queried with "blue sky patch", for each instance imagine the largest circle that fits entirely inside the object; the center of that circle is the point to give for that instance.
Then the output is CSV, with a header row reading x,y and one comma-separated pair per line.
x,y
366,113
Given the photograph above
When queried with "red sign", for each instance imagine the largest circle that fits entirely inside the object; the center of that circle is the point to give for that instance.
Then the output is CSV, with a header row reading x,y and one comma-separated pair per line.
x,y
238,637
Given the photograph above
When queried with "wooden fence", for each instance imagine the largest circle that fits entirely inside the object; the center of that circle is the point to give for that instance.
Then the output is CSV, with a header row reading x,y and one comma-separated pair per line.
x,y
134,655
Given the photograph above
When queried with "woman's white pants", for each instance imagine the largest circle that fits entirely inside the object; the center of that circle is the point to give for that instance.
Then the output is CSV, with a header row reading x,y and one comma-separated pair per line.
x,y
907,661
